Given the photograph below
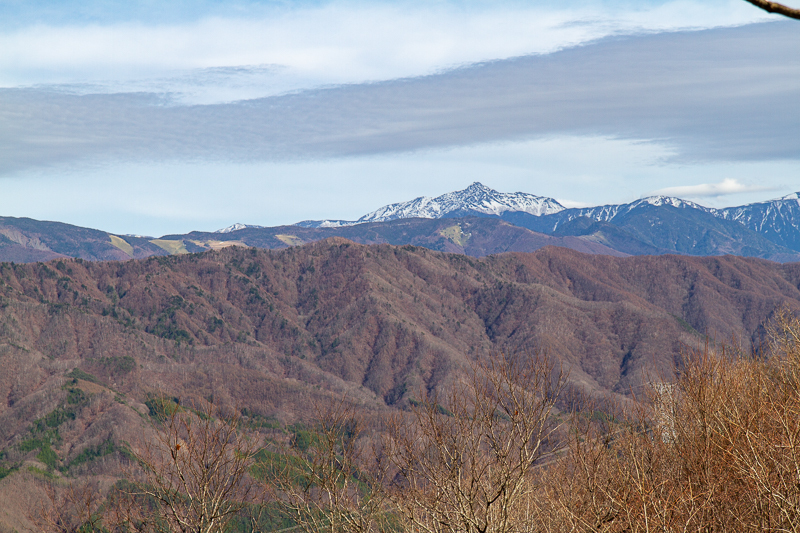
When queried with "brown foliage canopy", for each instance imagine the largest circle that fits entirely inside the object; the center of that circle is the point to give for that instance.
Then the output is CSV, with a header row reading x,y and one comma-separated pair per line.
x,y
719,450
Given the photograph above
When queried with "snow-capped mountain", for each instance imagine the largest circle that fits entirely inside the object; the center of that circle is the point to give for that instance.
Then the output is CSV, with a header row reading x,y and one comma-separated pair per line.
x,y
604,213
778,220
477,199
237,226
325,223
762,214
657,221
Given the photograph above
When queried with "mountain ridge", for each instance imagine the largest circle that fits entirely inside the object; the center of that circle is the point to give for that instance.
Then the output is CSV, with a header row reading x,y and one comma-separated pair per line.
x,y
776,220
476,221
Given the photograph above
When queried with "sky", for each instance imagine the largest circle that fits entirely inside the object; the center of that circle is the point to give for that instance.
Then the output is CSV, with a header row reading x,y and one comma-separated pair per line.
x,y
151,118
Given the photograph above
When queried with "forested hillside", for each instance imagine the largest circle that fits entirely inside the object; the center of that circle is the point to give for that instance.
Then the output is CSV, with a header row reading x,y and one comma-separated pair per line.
x,y
86,346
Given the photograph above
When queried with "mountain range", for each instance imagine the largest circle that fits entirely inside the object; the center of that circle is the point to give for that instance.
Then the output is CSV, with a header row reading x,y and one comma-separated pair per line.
x,y
476,221
480,200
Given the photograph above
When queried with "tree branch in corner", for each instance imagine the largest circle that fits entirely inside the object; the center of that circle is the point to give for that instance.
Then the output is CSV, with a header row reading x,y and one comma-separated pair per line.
x,y
774,7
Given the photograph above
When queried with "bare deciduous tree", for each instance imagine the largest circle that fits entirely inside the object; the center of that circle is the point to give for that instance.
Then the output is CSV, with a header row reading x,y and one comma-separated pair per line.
x,y
466,462
729,459
759,429
74,508
331,481
192,478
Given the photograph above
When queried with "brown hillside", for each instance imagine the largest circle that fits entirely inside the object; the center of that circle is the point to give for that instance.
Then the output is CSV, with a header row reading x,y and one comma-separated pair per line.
x,y
84,345
383,318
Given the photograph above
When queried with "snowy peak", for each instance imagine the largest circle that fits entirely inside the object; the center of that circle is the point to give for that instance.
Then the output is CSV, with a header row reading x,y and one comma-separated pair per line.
x,y
324,223
605,213
236,227
778,220
660,201
476,198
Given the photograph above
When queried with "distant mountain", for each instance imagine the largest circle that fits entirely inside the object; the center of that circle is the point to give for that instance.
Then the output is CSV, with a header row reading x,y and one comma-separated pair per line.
x,y
477,199
657,224
25,240
778,220
236,227
480,200
476,221
474,236
607,212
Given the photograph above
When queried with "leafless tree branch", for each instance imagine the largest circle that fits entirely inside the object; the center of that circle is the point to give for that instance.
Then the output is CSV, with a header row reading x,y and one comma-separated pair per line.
x,y
775,7
193,478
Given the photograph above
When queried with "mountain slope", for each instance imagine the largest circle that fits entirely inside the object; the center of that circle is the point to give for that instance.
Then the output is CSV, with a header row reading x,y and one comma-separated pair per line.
x,y
609,235
386,318
662,225
777,220
472,236
86,346
26,239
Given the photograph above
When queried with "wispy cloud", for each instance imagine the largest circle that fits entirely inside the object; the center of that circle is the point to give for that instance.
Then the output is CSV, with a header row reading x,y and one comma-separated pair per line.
x,y
713,190
328,43
722,95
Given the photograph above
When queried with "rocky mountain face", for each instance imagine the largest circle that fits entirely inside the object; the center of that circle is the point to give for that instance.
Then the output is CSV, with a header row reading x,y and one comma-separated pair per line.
x,y
477,199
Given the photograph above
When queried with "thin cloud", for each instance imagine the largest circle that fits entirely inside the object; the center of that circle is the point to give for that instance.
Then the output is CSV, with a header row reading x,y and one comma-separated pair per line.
x,y
712,190
715,95
337,42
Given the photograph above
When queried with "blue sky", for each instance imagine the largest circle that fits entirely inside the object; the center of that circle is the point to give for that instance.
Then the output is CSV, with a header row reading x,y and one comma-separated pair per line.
x,y
155,118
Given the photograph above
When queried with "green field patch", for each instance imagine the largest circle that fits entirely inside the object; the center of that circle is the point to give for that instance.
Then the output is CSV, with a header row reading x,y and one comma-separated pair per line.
x,y
291,240
454,234
118,365
122,244
173,247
